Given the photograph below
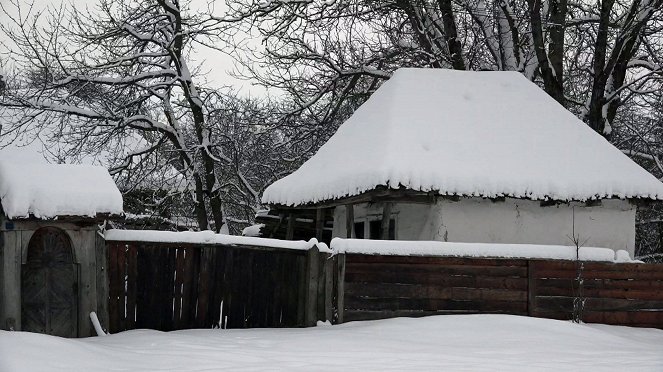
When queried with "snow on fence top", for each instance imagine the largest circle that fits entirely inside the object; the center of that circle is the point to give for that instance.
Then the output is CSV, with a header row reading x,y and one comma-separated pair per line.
x,y
52,190
479,250
486,134
208,237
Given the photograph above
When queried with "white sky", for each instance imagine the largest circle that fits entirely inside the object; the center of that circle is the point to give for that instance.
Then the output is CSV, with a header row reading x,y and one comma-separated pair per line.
x,y
216,66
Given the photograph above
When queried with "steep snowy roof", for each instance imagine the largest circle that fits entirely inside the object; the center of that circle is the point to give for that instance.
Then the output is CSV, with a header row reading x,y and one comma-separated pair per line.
x,y
51,190
484,134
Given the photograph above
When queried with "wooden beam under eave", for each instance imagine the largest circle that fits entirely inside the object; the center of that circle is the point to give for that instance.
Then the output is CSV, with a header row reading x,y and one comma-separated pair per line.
x,y
349,220
319,223
386,217
290,229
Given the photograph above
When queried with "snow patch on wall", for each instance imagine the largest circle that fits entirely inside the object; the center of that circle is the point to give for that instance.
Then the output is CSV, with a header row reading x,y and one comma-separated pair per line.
x,y
519,221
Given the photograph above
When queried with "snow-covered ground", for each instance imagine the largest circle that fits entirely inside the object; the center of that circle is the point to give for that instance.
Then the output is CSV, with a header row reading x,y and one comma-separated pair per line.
x,y
453,342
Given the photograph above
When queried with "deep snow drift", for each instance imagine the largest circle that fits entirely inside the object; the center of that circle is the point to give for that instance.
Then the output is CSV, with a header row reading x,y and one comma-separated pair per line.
x,y
452,342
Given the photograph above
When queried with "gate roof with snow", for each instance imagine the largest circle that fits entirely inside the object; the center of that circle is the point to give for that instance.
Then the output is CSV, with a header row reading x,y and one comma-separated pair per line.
x,y
57,190
488,134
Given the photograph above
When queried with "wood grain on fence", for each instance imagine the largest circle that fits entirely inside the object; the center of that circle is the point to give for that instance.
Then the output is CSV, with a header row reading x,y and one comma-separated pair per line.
x,y
168,286
376,287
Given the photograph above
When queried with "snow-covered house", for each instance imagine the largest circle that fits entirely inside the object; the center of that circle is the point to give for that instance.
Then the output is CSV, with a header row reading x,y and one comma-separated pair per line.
x,y
51,261
467,157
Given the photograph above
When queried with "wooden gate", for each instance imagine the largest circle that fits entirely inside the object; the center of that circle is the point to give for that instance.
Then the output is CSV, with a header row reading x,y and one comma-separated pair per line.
x,y
49,291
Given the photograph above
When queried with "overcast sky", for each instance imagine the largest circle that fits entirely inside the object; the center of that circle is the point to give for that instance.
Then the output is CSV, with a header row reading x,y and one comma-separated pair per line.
x,y
215,64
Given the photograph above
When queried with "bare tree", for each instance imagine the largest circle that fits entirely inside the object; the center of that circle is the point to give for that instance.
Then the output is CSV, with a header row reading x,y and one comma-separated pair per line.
x,y
118,79
591,59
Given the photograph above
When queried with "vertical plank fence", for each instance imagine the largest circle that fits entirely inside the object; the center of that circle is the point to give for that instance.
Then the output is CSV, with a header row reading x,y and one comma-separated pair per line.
x,y
169,286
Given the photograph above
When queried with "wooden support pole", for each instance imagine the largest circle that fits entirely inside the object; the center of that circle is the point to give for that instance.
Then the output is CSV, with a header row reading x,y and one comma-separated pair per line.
x,y
319,223
349,220
531,288
386,217
340,287
290,231
311,287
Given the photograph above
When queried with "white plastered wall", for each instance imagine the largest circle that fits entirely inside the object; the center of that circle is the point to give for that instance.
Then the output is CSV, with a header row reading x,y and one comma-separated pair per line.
x,y
610,224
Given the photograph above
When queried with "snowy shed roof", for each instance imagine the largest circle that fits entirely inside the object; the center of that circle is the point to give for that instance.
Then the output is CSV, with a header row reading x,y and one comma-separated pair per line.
x,y
52,190
486,134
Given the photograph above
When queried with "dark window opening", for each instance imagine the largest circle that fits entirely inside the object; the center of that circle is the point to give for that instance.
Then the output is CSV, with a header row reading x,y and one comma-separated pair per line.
x,y
359,230
375,229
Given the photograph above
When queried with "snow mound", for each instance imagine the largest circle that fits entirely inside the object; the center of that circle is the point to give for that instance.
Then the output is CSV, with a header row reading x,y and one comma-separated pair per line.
x,y
436,343
253,230
52,190
488,134
444,249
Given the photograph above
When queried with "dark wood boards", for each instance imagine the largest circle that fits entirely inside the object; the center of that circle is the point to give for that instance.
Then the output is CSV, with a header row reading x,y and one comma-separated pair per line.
x,y
376,287
49,290
180,286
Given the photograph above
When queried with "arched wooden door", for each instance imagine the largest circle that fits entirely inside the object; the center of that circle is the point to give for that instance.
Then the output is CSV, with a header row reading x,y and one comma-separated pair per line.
x,y
49,290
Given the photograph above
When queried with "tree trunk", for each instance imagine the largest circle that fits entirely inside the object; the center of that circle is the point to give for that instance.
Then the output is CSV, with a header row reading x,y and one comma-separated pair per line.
x,y
451,35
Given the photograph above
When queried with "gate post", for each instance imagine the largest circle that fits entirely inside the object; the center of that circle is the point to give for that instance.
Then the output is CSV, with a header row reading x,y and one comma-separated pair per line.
x,y
311,286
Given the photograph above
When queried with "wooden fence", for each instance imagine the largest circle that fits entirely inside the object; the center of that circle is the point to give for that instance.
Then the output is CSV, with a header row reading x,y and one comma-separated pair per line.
x,y
168,286
376,287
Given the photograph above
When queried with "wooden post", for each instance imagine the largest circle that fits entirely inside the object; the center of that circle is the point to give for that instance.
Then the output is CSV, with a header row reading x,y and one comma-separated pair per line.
x,y
290,232
386,217
349,220
319,223
312,277
531,289
329,285
101,256
340,287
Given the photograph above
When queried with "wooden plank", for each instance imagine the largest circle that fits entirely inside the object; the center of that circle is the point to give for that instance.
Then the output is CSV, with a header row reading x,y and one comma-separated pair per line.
x,y
190,286
203,288
167,304
431,291
219,287
179,288
531,288
428,304
311,286
461,269
441,279
653,318
101,257
113,289
143,287
121,269
617,304
433,261
329,287
633,294
132,278
340,288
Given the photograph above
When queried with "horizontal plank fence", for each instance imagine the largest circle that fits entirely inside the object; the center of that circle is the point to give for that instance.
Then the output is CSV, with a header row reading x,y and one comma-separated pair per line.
x,y
169,286
376,287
